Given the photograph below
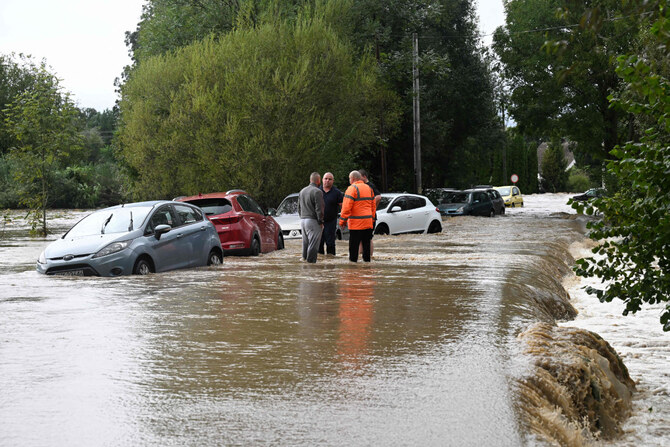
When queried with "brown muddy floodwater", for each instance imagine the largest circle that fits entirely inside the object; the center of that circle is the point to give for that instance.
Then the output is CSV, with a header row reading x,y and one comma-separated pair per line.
x,y
418,347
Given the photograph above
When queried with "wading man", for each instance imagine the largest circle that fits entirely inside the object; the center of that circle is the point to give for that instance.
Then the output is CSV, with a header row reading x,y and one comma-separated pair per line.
x,y
358,210
310,210
332,199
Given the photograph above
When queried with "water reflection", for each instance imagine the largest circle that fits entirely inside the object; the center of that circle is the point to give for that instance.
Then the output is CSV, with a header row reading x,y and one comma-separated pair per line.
x,y
356,294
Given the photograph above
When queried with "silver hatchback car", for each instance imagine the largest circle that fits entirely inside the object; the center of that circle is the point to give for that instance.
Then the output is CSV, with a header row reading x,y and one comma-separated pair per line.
x,y
134,238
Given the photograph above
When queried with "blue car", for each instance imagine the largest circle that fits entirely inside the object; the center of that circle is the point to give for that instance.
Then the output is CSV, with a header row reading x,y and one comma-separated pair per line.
x,y
472,202
134,238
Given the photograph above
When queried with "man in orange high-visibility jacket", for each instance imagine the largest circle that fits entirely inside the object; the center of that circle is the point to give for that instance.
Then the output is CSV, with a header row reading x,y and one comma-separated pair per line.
x,y
358,211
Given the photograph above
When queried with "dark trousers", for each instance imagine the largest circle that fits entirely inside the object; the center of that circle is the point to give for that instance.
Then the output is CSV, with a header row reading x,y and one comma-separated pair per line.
x,y
355,238
328,237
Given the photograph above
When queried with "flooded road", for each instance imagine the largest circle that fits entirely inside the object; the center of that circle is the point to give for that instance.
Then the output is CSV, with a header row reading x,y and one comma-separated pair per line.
x,y
418,347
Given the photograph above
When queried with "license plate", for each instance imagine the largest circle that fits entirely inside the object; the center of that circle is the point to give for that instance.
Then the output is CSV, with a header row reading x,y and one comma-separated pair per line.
x,y
78,272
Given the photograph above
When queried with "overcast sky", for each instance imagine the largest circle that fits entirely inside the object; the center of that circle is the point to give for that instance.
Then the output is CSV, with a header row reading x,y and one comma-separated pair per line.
x,y
83,40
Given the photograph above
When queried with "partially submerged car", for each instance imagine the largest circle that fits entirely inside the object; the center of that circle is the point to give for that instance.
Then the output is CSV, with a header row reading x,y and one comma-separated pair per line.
x,y
287,217
496,198
134,238
593,193
511,195
407,213
242,225
471,202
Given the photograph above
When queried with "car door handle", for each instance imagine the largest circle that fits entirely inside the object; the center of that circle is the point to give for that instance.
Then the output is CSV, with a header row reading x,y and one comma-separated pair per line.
x,y
203,228
179,236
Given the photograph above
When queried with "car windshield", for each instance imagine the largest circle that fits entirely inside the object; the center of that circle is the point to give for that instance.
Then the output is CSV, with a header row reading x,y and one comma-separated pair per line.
x,y
459,197
504,191
212,206
117,220
384,202
288,207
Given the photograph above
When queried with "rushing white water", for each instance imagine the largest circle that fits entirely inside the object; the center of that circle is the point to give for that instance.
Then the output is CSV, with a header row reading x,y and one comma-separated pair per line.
x,y
639,340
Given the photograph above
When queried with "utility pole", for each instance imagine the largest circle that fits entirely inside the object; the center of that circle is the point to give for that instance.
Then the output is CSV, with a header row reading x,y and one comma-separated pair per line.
x,y
417,116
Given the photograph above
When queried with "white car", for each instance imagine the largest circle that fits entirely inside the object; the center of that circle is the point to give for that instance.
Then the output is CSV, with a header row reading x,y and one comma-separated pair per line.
x,y
287,217
407,213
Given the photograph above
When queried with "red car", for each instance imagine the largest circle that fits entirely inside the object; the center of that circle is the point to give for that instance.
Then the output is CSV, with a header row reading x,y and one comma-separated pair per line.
x,y
243,226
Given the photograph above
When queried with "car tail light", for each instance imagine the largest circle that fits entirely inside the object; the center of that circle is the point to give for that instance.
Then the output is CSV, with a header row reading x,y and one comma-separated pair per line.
x,y
226,220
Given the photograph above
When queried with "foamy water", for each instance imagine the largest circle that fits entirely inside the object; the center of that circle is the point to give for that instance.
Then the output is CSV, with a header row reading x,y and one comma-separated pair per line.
x,y
639,340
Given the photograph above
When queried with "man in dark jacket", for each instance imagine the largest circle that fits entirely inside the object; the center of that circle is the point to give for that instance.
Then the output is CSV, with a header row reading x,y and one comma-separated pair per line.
x,y
332,198
310,210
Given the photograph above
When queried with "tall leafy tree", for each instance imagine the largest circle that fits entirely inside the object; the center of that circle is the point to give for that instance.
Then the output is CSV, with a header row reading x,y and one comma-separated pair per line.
x,y
554,175
561,80
633,257
43,120
17,74
460,129
256,108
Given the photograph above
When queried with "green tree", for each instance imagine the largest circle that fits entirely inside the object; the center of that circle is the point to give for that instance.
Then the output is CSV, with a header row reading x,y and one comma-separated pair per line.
x,y
256,108
554,165
17,74
460,129
562,79
633,257
44,123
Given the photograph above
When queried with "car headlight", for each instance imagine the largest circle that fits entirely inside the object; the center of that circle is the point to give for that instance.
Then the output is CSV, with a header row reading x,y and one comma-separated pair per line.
x,y
114,247
460,210
42,259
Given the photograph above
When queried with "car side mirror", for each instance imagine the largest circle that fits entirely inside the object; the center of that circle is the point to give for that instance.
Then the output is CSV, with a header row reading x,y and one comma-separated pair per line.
x,y
272,212
395,209
161,230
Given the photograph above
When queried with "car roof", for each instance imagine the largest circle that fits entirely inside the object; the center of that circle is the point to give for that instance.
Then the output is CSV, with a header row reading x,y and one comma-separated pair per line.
x,y
137,204
212,195
396,194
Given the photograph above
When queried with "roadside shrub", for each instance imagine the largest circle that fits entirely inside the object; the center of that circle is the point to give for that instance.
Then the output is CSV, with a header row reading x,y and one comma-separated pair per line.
x,y
578,180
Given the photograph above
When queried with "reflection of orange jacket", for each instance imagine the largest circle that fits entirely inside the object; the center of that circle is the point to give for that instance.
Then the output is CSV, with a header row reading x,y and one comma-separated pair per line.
x,y
358,207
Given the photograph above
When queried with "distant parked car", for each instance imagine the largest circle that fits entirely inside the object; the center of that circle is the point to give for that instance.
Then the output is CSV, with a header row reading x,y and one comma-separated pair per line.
x,y
593,193
407,213
137,238
496,199
511,195
471,202
241,223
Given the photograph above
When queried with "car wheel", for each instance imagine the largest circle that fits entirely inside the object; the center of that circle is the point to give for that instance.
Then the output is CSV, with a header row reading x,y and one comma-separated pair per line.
x,y
255,247
492,213
280,242
214,258
435,227
142,267
382,229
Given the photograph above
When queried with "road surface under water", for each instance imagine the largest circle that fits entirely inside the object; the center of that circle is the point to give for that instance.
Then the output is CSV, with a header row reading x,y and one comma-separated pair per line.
x,y
418,347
